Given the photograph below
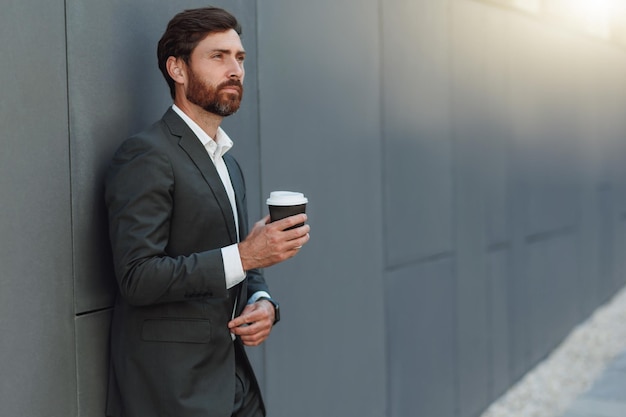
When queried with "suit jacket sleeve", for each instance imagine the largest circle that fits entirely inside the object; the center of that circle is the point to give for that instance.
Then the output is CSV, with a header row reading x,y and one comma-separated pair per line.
x,y
139,193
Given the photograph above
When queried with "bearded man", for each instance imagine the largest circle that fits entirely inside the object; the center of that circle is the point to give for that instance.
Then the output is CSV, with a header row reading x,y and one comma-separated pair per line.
x,y
191,294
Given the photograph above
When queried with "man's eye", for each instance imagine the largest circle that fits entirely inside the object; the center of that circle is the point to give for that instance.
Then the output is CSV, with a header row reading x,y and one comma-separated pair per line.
x,y
216,56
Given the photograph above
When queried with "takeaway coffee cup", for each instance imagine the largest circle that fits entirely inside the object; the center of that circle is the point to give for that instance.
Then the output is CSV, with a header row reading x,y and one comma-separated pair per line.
x,y
286,203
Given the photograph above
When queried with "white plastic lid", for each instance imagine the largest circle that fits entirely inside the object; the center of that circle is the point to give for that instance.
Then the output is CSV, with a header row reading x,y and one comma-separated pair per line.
x,y
286,198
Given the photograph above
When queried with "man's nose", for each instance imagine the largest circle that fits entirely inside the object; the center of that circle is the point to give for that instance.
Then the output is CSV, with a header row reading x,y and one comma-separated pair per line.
x,y
236,70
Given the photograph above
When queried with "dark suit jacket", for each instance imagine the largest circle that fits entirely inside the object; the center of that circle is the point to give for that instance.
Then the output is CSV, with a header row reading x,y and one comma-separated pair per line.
x,y
171,350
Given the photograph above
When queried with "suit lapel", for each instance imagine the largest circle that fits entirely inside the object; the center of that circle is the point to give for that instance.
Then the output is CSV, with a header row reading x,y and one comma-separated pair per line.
x,y
196,152
236,179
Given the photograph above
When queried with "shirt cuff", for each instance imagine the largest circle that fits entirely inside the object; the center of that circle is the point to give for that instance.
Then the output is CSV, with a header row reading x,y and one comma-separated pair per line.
x,y
258,295
233,270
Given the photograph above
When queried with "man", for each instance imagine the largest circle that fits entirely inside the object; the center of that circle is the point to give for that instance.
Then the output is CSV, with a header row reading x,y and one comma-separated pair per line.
x,y
190,291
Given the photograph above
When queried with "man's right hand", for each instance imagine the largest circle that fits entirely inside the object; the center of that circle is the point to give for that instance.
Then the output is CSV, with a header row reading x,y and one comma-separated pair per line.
x,y
269,243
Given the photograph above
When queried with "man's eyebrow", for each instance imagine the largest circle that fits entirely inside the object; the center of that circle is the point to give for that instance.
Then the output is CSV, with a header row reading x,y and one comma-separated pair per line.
x,y
228,51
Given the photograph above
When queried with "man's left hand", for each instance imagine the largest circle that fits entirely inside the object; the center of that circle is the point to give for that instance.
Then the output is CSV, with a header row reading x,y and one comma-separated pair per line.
x,y
254,324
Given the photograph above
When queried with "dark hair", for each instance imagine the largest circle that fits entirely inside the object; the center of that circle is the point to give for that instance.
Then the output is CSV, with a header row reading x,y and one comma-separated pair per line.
x,y
186,30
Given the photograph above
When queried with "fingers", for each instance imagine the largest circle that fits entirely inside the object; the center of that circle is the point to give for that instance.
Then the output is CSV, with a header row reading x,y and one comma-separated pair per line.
x,y
294,242
269,244
254,324
290,221
247,316
238,321
296,237
253,334
250,330
253,313
255,338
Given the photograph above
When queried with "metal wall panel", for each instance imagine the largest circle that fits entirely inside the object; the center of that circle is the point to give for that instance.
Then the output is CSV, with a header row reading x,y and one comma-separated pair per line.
x,y
92,362
421,325
320,134
554,281
475,137
499,323
597,190
114,90
416,131
593,231
619,272
37,345
607,245
494,119
526,86
549,118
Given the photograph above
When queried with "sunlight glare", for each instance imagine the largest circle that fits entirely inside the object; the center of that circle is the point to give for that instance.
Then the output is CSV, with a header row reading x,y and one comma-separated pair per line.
x,y
593,15
528,5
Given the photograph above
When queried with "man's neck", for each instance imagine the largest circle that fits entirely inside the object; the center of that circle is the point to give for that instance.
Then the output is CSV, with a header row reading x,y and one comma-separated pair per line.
x,y
207,121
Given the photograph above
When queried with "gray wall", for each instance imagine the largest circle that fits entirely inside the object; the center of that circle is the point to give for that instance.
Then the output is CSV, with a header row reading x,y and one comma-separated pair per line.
x,y
463,164
37,348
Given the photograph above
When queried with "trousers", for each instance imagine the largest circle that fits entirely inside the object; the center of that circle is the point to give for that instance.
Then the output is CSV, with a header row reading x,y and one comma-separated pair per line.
x,y
248,401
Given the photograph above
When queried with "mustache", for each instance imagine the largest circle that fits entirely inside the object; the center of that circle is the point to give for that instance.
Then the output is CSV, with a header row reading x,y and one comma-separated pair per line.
x,y
231,83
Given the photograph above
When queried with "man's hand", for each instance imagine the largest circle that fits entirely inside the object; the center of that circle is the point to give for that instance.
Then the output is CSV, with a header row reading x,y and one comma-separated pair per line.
x,y
254,324
269,243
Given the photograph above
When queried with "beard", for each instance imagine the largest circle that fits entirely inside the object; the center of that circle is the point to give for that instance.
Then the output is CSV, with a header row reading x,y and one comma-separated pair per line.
x,y
211,99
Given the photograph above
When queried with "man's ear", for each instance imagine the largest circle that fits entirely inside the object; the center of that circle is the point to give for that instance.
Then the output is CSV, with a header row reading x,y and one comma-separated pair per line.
x,y
176,69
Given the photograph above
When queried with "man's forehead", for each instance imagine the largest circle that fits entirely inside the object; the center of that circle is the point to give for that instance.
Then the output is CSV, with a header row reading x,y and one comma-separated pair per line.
x,y
228,39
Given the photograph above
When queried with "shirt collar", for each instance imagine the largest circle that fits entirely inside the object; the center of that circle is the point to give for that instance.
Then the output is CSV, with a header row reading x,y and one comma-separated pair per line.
x,y
216,147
